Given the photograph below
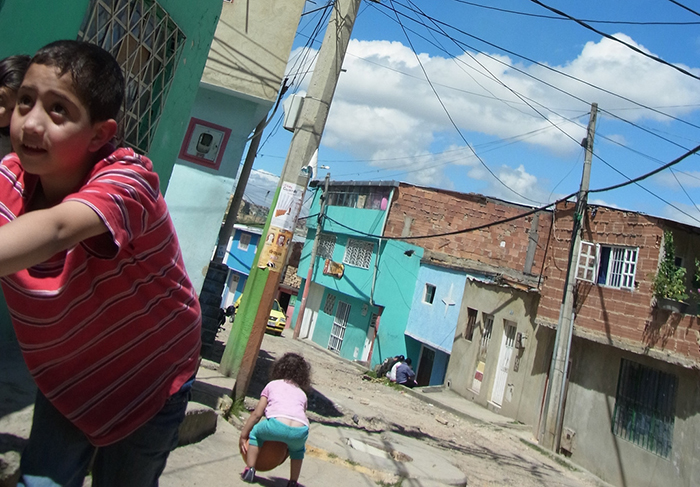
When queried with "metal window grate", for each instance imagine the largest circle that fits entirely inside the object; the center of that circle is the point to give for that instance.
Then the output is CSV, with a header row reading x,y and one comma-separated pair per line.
x,y
429,293
326,245
340,323
330,304
147,44
645,407
358,253
486,337
471,324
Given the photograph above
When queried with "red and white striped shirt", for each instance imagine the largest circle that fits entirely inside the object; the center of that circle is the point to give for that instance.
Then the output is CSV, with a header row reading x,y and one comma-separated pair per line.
x,y
110,328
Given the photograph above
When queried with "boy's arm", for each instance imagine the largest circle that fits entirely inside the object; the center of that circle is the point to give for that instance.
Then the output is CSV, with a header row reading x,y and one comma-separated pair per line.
x,y
36,236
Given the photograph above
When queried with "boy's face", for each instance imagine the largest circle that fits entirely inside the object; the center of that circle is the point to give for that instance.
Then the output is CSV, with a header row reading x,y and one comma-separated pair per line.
x,y
51,129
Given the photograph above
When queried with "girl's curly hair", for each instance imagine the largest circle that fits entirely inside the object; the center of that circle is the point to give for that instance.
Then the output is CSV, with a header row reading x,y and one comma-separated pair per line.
x,y
292,367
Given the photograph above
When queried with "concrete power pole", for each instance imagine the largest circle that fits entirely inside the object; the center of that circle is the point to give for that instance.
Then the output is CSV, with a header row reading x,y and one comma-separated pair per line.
x,y
554,402
243,346
312,260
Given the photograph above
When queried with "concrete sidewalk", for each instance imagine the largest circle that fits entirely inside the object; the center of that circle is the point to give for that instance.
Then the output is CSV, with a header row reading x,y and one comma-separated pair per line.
x,y
336,455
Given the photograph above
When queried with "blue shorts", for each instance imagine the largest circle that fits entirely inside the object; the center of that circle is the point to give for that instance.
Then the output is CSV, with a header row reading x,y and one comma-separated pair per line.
x,y
272,430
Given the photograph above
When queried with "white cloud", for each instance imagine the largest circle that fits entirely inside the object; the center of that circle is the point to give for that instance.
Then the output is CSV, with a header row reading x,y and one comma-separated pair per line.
x,y
689,179
261,187
384,109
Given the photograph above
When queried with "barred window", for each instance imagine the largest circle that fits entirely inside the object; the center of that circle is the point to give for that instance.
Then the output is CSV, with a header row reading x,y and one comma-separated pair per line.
x,y
147,44
364,197
244,242
429,293
330,303
485,336
326,245
471,324
645,407
358,253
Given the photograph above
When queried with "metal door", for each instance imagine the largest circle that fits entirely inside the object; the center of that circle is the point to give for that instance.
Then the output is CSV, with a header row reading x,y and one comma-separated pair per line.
x,y
340,322
507,345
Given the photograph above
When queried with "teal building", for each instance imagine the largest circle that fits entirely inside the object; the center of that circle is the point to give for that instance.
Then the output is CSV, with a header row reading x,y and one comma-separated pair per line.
x,y
362,285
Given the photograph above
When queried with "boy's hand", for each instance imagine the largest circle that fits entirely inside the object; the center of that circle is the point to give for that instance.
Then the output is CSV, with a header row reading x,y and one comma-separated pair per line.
x,y
36,236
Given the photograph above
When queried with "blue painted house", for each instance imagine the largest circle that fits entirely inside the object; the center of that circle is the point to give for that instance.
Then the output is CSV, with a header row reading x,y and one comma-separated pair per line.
x,y
362,285
432,321
239,259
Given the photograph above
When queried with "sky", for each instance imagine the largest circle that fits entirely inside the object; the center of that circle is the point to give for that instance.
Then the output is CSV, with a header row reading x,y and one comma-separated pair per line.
x,y
493,97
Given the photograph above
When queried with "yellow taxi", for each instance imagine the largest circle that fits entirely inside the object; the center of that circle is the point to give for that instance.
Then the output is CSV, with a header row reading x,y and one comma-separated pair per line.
x,y
277,320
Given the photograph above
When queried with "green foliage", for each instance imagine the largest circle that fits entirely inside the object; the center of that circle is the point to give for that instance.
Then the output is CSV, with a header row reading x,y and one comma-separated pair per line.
x,y
670,279
236,409
398,483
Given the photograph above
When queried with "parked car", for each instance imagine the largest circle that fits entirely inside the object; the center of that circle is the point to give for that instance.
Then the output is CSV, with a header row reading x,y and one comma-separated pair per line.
x,y
277,320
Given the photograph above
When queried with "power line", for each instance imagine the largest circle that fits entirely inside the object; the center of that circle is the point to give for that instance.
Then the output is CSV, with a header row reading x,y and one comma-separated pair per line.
x,y
544,66
592,21
529,212
448,113
684,7
608,36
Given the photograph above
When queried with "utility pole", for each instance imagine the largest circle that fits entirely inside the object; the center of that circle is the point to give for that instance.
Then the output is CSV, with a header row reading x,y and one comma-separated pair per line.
x,y
554,403
243,346
314,250
232,215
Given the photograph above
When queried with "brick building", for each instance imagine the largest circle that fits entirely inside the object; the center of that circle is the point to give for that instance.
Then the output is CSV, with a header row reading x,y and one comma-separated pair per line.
x,y
631,414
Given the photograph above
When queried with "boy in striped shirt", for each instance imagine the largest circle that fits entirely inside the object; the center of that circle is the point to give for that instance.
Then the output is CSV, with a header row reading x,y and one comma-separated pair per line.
x,y
106,317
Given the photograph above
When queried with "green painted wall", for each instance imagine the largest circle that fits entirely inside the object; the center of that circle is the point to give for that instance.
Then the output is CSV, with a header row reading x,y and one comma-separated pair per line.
x,y
27,26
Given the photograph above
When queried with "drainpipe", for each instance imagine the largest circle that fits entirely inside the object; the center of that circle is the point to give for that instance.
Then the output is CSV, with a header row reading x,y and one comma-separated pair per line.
x,y
376,261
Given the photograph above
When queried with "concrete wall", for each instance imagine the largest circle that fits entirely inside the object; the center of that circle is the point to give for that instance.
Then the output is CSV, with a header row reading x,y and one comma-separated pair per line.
x,y
626,318
252,45
529,366
197,195
589,411
435,324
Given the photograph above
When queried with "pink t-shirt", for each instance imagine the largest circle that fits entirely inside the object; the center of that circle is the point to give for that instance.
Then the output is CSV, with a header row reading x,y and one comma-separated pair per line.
x,y
285,400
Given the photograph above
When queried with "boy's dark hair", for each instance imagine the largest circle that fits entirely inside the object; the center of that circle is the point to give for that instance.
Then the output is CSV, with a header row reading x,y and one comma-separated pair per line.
x,y
408,361
12,71
97,78
294,368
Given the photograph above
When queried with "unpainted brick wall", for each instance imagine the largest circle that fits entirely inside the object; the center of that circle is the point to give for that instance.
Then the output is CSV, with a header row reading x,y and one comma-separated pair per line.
x,y
433,211
617,313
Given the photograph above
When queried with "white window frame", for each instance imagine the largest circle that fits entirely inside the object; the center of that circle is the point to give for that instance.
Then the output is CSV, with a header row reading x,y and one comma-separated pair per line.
x,y
622,265
432,289
358,253
586,269
244,241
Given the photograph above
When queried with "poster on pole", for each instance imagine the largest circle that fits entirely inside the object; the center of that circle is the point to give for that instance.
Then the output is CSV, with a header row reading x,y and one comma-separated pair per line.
x,y
288,207
279,235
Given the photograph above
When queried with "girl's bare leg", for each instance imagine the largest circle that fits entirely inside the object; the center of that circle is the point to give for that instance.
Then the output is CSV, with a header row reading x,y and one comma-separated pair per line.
x,y
252,456
295,469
